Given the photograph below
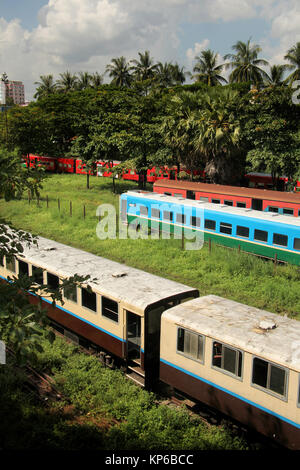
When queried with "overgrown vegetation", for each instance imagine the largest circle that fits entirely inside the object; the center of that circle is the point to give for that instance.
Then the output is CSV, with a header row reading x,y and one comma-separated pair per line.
x,y
99,409
238,276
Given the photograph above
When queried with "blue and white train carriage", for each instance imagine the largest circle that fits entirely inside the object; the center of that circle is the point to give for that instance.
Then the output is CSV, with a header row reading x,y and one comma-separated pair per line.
x,y
265,234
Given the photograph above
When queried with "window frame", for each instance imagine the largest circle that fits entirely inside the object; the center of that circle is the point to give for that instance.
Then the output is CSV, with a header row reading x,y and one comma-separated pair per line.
x,y
266,389
84,289
227,227
210,220
242,236
185,354
104,297
258,240
225,371
183,218
281,235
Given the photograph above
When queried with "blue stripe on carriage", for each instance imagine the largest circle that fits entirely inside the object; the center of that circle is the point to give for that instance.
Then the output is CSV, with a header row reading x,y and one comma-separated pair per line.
x,y
266,410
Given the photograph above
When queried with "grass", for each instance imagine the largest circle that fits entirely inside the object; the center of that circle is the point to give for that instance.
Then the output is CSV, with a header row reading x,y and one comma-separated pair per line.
x,y
99,409
225,272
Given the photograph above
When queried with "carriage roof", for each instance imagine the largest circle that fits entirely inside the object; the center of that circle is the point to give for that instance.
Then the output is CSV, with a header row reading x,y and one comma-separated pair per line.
x,y
121,282
267,335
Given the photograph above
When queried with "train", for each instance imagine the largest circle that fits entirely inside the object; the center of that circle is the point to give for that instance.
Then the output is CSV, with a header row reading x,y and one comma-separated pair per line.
x,y
266,234
234,358
103,168
278,202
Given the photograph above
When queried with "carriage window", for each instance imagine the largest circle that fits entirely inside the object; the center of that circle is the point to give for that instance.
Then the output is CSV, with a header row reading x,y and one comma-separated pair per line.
x,y
279,239
204,199
227,358
288,211
273,209
23,268
210,224
178,195
88,299
110,309
190,344
260,235
70,293
195,221
240,204
180,218
144,210
168,194
269,376
225,228
296,243
228,203
155,213
168,215
242,231
52,281
11,265
37,274
215,201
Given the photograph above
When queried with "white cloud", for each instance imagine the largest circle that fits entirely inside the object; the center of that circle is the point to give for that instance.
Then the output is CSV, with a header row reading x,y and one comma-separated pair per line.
x,y
85,34
191,53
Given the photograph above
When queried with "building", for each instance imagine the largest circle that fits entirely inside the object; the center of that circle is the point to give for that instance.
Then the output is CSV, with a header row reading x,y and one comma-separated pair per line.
x,y
2,93
15,91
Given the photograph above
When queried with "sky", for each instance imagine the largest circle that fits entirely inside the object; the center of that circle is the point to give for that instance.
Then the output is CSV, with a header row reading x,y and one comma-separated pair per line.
x,y
42,37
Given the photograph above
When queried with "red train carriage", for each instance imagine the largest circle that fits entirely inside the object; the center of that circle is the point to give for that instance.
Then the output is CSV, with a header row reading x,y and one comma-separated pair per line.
x,y
65,165
36,161
265,181
257,199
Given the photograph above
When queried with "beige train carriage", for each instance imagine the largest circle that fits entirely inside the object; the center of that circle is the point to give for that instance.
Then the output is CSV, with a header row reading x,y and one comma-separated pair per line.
x,y
238,359
121,314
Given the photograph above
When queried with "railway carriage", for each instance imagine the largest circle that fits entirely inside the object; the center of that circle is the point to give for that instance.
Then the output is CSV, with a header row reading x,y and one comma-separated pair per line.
x,y
278,202
235,358
269,235
119,312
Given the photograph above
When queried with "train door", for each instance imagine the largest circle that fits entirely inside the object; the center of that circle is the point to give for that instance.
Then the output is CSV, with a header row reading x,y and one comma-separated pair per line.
x,y
257,204
133,337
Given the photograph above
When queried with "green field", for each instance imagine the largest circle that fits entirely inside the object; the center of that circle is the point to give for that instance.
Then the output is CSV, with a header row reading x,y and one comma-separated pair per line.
x,y
221,271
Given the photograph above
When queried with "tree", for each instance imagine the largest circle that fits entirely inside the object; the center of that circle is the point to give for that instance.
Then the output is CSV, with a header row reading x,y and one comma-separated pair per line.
x,y
144,68
46,86
119,71
276,75
246,64
270,129
83,81
67,82
293,57
207,70
96,80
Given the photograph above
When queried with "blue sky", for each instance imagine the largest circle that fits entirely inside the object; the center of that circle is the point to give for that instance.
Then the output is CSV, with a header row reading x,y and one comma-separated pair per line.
x,y
39,37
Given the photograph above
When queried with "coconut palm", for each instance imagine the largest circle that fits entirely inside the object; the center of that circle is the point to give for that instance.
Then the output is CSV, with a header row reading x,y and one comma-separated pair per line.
x,y
207,70
276,75
144,68
84,81
67,82
96,79
246,64
119,71
293,56
46,86
178,74
164,74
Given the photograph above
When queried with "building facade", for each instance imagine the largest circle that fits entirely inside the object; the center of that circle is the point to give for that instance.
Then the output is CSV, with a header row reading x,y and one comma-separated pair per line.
x,y
15,91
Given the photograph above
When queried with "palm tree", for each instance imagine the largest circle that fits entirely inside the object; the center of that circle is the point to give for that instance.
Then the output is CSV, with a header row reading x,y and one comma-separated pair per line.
x,y
276,75
164,74
96,80
67,82
245,63
46,86
84,81
119,71
178,74
293,56
145,67
207,70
